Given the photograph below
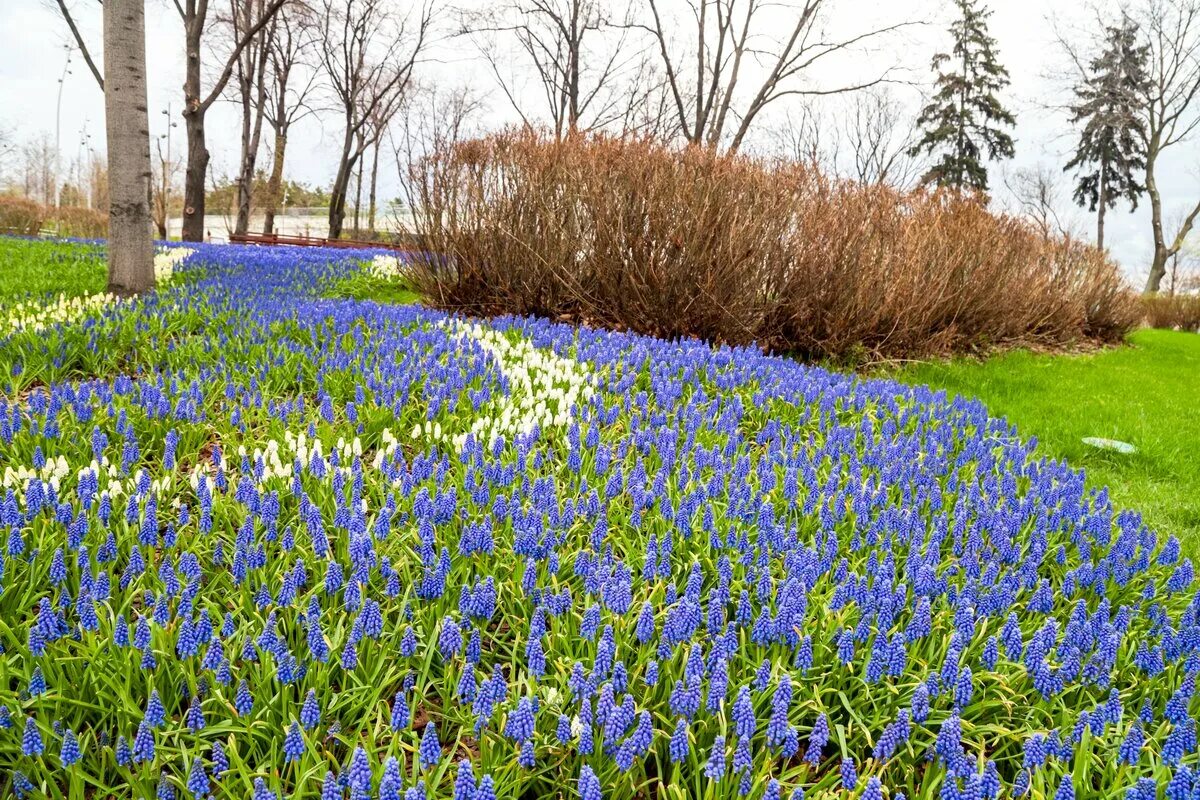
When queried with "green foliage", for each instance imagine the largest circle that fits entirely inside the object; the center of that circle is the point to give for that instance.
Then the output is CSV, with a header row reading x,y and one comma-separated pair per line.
x,y
30,267
365,285
1144,394
964,118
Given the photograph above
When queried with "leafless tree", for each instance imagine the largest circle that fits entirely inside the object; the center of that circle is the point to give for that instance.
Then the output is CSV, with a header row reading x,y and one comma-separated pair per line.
x,y
865,137
69,18
250,91
368,54
1172,108
730,47
196,24
130,249
433,120
578,55
165,170
292,79
1036,195
879,137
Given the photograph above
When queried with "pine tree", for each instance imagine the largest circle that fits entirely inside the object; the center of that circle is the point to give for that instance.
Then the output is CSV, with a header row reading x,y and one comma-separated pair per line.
x,y
1112,143
964,118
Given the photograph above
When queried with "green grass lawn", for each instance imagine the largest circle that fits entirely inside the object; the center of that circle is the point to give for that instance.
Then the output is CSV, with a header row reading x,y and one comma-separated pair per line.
x,y
36,267
1147,393
366,286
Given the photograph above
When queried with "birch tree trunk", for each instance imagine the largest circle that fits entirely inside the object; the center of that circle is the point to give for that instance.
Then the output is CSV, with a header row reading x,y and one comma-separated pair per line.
x,y
130,249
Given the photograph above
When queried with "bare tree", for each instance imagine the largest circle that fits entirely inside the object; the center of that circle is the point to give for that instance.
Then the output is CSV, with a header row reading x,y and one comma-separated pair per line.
x,y
69,18
165,169
130,249
368,55
879,138
575,51
1037,197
194,15
1172,109
250,82
290,86
730,47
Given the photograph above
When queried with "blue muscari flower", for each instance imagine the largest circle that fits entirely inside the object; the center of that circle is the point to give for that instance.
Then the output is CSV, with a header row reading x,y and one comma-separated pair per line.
x,y
520,723
430,749
293,743
37,683
845,646
70,749
123,754
195,715
849,774
589,784
680,746
526,757
330,789
817,740
1130,751
874,790
1066,789
743,714
219,759
714,768
31,740
197,782
964,688
401,717
143,743
164,790
1180,787
464,782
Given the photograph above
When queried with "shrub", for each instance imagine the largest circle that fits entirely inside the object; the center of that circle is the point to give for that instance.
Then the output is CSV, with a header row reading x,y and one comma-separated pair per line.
x,y
21,216
79,223
1178,312
638,235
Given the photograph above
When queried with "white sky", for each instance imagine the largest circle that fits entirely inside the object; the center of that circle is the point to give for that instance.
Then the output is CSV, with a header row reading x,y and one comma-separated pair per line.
x,y
32,40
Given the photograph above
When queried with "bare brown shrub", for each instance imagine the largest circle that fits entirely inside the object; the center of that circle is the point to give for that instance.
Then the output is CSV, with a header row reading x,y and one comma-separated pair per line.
x,y
1178,312
20,216
637,235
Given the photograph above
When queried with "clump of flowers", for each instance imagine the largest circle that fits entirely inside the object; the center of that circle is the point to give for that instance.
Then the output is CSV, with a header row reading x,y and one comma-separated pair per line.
x,y
329,548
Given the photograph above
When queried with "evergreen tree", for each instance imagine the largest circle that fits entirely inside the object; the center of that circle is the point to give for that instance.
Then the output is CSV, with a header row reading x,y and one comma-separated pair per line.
x,y
1112,143
964,118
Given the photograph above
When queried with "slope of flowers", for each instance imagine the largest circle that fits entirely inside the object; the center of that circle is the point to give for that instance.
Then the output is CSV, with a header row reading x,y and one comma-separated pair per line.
x,y
259,544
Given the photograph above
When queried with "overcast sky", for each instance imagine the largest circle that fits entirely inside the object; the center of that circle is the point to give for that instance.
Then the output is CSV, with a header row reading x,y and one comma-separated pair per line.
x,y
32,54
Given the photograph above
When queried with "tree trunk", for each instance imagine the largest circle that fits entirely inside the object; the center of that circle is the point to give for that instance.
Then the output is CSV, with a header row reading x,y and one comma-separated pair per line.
x,y
337,195
357,198
127,129
1158,266
275,184
252,123
197,151
371,202
1103,196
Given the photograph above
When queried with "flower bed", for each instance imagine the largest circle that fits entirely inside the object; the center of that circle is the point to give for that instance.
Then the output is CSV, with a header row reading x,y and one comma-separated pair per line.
x,y
263,544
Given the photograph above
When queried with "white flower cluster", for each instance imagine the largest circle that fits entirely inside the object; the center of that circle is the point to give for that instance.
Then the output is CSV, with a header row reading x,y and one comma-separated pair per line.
x,y
167,258
386,267
542,389
36,315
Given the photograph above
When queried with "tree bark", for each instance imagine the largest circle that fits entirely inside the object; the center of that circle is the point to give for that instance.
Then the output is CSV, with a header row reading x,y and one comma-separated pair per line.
x,y
275,184
197,150
341,186
371,202
1103,196
127,129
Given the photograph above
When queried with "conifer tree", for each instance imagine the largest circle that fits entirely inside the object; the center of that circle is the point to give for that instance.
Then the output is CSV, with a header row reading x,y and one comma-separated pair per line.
x,y
964,120
1111,149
